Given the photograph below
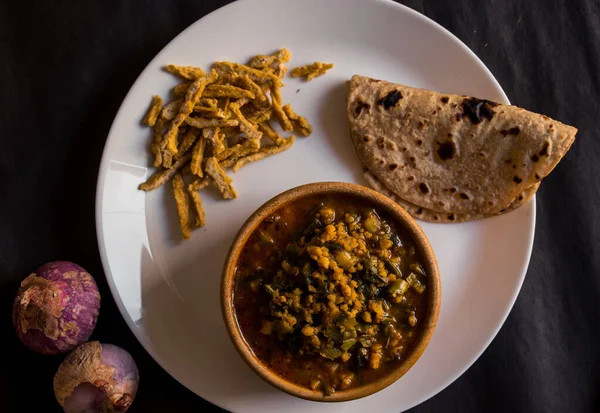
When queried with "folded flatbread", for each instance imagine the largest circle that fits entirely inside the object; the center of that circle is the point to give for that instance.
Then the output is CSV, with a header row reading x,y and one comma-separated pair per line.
x,y
448,153
428,215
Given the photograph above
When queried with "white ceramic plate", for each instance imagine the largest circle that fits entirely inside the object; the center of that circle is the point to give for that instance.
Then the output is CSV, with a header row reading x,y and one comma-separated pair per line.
x,y
168,290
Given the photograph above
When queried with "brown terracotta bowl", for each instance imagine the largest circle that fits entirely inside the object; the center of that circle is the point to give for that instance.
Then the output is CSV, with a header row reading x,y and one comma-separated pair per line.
x,y
395,213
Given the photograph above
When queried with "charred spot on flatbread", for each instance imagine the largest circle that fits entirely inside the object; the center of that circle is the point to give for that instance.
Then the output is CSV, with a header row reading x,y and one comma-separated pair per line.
x,y
444,99
424,188
446,150
535,157
360,107
478,109
517,179
512,131
390,100
545,149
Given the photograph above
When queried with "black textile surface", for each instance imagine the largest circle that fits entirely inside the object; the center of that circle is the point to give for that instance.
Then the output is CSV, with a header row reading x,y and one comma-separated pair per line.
x,y
65,68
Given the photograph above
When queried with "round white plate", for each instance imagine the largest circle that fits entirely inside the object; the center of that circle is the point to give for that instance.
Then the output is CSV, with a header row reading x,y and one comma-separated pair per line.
x,y
168,290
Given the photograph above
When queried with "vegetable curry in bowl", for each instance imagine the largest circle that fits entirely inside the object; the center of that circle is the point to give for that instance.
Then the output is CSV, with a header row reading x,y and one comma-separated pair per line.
x,y
330,293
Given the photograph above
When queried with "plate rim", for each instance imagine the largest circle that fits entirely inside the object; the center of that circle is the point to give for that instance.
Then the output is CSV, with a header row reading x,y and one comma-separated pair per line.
x,y
103,169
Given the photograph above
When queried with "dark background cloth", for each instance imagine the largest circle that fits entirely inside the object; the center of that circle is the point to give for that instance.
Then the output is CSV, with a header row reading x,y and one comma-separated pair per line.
x,y
65,67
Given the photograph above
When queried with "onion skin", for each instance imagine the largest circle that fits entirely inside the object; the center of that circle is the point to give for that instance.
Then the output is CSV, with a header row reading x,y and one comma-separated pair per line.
x,y
96,378
56,308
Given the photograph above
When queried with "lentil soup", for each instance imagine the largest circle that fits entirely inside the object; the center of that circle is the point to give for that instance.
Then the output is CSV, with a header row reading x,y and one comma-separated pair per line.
x,y
329,293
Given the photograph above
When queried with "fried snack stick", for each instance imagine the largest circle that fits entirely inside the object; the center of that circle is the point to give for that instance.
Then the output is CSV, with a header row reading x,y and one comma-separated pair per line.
x,y
227,91
270,133
186,72
169,111
228,69
157,131
274,64
225,103
284,55
153,111
210,112
263,153
183,205
181,90
228,163
250,85
199,184
202,123
213,136
193,188
300,123
198,157
246,127
214,170
311,71
161,177
208,102
189,138
167,160
259,117
281,70
191,98
276,102
262,62
249,146
228,152
228,132
200,216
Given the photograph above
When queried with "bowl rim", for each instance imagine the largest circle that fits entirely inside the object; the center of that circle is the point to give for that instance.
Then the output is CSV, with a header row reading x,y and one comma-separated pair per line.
x,y
398,215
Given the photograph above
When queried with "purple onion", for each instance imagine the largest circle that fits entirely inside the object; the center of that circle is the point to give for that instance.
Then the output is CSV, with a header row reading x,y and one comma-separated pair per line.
x,y
96,378
56,308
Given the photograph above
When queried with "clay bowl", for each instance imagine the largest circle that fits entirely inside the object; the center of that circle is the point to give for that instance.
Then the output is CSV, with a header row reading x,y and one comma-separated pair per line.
x,y
395,213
